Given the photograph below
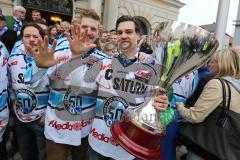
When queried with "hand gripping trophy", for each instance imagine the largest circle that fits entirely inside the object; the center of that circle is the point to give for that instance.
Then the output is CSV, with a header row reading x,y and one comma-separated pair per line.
x,y
182,48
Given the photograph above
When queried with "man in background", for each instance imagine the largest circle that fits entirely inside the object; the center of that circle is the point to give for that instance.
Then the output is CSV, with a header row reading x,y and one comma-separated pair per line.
x,y
15,22
36,15
8,37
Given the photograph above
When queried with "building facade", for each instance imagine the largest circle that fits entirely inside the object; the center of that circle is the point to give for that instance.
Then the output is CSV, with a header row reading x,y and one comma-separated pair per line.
x,y
149,12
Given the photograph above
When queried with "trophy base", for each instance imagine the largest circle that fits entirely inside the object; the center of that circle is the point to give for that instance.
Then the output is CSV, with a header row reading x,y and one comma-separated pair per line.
x,y
137,141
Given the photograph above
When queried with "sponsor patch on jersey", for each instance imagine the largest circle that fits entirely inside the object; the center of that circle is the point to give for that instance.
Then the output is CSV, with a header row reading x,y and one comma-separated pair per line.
x,y
76,126
113,109
26,101
143,76
61,59
102,137
70,126
105,67
14,63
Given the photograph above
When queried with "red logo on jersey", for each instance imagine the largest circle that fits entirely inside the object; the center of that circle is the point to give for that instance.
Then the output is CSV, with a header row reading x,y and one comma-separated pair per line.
x,y
65,126
13,63
4,61
77,126
143,76
84,123
104,67
103,138
62,59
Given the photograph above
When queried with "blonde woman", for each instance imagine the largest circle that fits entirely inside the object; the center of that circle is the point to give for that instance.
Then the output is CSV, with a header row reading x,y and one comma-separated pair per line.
x,y
224,64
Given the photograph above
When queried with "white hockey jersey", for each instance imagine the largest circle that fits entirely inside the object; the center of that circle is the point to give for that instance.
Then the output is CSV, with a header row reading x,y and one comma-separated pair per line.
x,y
121,83
4,112
29,102
65,120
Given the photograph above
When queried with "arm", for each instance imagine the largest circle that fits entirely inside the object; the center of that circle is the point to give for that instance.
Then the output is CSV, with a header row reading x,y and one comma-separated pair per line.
x,y
44,57
208,101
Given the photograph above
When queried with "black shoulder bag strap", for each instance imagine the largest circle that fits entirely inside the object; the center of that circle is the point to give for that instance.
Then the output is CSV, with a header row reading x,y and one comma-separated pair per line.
x,y
229,94
224,92
223,118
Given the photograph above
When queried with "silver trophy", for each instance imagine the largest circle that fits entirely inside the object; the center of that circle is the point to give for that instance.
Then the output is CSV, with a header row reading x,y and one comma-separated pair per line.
x,y
181,48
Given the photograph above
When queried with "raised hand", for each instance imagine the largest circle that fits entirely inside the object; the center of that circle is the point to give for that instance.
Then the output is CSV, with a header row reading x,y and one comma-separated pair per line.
x,y
79,43
44,57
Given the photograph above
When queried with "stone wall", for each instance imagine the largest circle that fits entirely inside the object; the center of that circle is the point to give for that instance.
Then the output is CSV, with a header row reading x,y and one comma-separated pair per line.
x,y
150,12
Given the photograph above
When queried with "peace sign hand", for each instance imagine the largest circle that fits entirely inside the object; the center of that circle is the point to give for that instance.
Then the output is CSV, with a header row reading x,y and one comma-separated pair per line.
x,y
79,43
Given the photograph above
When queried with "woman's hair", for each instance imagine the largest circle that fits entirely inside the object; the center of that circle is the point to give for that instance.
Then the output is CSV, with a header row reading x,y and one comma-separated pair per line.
x,y
228,63
49,30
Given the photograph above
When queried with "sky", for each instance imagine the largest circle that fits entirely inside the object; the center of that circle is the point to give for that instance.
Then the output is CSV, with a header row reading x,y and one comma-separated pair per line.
x,y
201,12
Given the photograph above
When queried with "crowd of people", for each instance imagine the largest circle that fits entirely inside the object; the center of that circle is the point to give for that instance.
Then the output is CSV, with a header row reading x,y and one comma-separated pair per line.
x,y
58,108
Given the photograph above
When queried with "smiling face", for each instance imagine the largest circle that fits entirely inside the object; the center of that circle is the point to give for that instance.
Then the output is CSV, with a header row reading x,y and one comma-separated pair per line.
x,y
36,16
127,38
30,37
90,26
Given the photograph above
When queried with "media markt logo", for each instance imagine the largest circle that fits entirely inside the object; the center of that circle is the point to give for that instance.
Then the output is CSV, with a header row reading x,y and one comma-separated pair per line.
x,y
102,137
66,126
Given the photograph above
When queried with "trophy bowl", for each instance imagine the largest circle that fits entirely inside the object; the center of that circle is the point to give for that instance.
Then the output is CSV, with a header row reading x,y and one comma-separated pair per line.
x,y
180,48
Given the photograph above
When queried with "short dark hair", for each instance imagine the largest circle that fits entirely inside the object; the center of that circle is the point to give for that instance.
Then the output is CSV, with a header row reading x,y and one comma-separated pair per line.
x,y
32,24
36,11
126,18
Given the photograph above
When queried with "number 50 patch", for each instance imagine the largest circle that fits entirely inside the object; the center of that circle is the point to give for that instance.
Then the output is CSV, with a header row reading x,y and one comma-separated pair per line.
x,y
113,109
26,101
72,103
